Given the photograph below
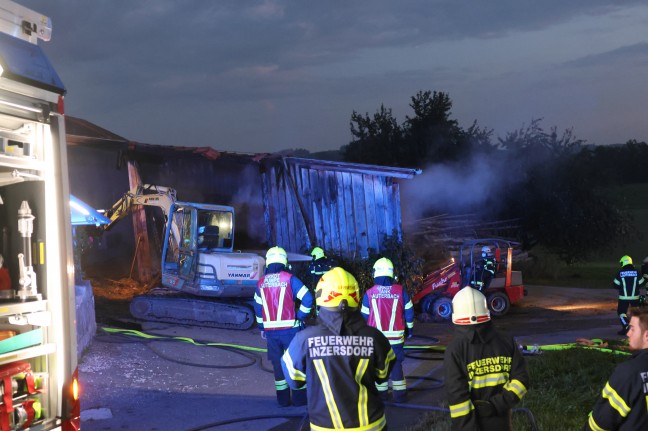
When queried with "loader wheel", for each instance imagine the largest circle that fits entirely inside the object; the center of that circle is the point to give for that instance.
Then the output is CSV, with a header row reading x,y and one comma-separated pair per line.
x,y
498,303
442,309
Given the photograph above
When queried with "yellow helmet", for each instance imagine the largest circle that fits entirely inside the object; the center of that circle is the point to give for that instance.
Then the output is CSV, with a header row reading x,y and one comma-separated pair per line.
x,y
317,253
383,267
276,255
625,260
469,307
335,286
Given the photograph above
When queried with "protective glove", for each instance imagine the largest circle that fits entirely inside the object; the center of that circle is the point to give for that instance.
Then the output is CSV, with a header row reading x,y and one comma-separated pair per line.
x,y
484,408
263,335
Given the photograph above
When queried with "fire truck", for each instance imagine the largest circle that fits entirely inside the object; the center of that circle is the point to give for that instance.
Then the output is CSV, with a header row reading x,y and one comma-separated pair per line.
x,y
39,387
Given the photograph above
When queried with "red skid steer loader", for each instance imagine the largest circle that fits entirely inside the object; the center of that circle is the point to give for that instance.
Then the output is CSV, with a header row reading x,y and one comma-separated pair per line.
x,y
434,298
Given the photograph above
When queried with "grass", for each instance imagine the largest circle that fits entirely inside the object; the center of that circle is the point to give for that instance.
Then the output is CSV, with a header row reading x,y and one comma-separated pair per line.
x,y
564,386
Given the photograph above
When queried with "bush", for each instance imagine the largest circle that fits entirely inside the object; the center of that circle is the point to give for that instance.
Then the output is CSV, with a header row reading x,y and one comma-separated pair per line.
x,y
408,267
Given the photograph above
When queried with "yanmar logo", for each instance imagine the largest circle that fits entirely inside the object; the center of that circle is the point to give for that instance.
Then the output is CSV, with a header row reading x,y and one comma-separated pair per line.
x,y
238,275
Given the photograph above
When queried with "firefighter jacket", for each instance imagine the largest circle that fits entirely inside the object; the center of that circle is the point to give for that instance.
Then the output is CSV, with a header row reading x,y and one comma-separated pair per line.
x,y
623,402
485,376
318,267
342,359
628,282
281,302
389,308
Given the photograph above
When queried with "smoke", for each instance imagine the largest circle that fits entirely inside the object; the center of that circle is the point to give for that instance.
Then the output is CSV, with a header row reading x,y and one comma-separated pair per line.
x,y
248,204
463,187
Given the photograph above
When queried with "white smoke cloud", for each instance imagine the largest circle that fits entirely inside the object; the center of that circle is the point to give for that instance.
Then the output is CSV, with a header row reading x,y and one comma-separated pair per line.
x,y
453,188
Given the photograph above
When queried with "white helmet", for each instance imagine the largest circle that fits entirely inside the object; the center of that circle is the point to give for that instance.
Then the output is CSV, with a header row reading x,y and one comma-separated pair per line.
x,y
469,307
486,251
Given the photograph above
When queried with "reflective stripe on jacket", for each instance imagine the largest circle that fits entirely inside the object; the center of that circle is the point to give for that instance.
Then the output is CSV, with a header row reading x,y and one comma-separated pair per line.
x,y
276,302
342,359
389,309
628,282
482,364
623,404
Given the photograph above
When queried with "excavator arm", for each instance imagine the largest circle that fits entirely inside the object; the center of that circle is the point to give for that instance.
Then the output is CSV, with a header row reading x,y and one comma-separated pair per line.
x,y
146,194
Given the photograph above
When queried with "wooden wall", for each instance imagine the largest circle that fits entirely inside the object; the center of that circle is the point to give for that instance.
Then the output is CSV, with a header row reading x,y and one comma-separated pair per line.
x,y
345,208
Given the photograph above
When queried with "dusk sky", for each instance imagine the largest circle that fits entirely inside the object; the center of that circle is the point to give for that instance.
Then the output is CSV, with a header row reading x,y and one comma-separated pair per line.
x,y
263,76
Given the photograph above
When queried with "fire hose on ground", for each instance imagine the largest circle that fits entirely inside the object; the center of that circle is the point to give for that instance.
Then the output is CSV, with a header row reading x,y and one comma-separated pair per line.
x,y
414,352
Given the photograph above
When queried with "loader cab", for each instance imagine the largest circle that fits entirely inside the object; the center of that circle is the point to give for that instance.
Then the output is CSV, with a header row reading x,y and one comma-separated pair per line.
x,y
193,229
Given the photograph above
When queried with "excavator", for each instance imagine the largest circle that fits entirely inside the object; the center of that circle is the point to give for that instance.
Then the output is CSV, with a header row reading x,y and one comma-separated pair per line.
x,y
204,281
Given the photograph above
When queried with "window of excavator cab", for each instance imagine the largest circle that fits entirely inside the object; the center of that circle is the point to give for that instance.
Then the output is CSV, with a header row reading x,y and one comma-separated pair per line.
x,y
214,229
186,229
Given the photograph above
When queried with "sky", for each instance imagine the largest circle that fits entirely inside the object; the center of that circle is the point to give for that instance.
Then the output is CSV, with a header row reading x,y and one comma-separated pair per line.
x,y
264,76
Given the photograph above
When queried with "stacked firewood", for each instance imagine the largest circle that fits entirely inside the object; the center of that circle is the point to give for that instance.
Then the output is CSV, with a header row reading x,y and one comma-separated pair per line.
x,y
439,237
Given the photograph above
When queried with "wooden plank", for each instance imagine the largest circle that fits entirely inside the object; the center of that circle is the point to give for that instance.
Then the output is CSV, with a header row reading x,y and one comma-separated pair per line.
x,y
326,208
360,216
382,228
349,248
300,232
342,213
398,221
142,243
334,211
316,205
282,209
390,206
304,187
370,209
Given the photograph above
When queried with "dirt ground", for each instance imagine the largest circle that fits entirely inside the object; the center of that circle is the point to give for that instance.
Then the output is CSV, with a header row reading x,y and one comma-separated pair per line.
x,y
165,378
547,315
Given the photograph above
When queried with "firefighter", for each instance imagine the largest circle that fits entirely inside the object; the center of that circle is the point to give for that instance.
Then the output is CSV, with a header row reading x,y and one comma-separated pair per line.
x,y
281,303
341,358
628,283
319,265
484,270
622,404
387,306
485,372
5,279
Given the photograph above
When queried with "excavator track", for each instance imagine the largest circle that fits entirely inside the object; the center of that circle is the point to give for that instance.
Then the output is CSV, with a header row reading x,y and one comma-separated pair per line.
x,y
176,308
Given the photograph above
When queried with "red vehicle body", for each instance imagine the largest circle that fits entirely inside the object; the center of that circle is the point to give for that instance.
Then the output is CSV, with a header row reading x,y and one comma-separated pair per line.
x,y
440,286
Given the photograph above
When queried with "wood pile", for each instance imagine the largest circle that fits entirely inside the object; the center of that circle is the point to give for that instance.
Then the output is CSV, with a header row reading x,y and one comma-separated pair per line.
x,y
439,237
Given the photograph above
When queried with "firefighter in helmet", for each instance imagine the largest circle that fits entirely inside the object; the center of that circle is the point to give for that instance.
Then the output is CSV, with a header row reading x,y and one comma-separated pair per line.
x,y
484,270
341,358
281,303
628,282
485,372
387,306
319,265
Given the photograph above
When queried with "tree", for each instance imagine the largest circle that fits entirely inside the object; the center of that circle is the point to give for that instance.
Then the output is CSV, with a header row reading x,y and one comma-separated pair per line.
x,y
375,139
557,197
430,136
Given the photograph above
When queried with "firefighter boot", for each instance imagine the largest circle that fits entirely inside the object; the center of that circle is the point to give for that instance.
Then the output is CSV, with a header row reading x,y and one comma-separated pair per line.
x,y
299,397
283,397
